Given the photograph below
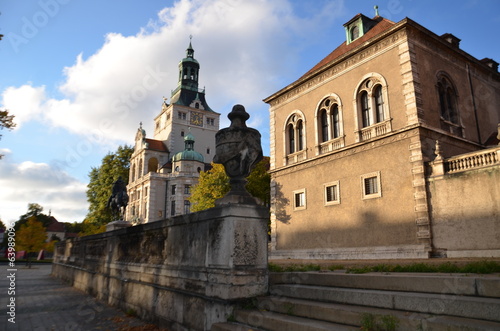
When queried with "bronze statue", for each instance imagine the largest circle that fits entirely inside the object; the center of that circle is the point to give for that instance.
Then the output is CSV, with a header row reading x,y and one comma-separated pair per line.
x,y
118,199
238,149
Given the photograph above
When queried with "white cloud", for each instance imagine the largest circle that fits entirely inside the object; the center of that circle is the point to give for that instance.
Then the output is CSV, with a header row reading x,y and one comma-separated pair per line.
x,y
245,49
29,182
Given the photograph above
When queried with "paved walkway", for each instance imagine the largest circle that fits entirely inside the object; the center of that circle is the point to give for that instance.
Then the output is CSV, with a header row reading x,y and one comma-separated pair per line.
x,y
44,303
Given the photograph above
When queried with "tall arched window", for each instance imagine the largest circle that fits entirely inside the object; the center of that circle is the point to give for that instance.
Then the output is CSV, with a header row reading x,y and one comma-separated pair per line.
x,y
336,121
365,109
291,139
450,119
324,125
300,135
379,104
329,131
295,137
372,107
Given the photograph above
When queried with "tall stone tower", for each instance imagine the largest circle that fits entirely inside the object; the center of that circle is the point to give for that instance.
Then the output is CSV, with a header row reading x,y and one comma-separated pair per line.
x,y
163,169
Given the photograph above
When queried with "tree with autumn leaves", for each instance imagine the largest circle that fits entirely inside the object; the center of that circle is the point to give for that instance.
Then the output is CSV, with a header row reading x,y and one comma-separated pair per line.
x,y
214,184
31,238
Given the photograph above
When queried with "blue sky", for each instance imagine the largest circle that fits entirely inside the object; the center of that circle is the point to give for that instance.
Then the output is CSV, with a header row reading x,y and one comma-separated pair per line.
x,y
80,75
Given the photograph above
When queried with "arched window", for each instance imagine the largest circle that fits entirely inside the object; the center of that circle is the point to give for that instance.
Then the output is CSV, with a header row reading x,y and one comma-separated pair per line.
x,y
354,33
336,121
379,104
295,139
370,100
365,109
450,119
132,173
324,125
291,139
300,135
329,131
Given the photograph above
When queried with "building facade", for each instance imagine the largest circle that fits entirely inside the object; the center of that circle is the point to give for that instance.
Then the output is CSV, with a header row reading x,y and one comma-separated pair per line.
x,y
353,141
163,169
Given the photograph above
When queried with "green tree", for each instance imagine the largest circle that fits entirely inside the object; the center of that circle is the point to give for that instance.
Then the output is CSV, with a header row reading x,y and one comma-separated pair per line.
x,y
214,184
31,237
113,166
259,182
34,210
6,121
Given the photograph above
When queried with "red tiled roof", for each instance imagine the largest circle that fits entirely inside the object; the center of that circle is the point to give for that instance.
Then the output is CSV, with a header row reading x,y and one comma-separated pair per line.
x,y
156,145
382,25
55,226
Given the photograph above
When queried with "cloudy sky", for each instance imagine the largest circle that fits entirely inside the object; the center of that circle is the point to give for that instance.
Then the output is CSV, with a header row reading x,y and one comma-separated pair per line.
x,y
79,76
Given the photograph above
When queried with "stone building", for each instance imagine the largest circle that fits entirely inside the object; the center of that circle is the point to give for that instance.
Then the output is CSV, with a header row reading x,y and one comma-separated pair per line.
x,y
355,169
163,169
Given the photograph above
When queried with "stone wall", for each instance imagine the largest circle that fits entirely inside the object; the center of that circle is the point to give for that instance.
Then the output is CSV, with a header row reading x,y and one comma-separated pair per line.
x,y
465,195
184,273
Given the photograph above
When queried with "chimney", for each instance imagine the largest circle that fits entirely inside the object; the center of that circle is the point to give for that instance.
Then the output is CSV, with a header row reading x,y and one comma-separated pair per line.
x,y
490,63
454,41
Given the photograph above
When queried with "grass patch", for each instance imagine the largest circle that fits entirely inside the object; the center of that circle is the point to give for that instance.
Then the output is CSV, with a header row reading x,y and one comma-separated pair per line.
x,y
479,267
370,322
294,268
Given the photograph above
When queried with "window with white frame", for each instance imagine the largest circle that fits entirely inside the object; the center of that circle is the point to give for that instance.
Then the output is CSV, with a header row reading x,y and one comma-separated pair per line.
x,y
332,193
329,120
295,134
371,185
371,102
299,199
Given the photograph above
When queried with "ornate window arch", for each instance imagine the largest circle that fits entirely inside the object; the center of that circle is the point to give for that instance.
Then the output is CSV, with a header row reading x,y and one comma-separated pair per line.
x,y
329,125
294,137
448,104
372,107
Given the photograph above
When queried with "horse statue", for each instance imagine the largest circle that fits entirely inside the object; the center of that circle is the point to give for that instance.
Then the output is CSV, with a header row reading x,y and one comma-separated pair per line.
x,y
118,199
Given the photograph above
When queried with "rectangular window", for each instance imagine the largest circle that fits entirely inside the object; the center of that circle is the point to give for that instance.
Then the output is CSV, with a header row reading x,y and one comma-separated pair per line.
x,y
172,208
299,198
371,185
173,189
187,207
210,121
332,194
181,115
187,189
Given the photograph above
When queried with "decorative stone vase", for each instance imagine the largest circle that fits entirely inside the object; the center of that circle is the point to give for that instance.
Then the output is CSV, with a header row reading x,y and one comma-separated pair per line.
x,y
238,149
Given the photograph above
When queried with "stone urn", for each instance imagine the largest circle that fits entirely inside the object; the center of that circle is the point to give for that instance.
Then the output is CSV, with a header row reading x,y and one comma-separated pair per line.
x,y
238,149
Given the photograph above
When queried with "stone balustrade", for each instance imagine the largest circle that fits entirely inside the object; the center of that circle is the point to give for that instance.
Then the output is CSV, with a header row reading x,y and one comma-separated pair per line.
x,y
466,162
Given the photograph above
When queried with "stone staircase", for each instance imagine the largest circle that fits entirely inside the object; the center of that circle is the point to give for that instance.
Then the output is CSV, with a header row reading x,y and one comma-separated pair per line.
x,y
310,301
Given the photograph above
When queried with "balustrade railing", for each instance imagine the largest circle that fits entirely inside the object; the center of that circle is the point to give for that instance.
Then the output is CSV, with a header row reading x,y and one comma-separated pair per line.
x,y
472,160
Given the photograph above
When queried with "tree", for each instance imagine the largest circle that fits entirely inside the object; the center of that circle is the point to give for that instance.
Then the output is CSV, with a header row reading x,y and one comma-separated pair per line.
x,y
214,184
113,166
6,121
34,210
259,182
31,237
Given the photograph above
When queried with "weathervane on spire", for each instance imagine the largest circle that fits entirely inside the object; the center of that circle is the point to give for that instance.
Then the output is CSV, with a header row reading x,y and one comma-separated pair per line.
x,y
376,10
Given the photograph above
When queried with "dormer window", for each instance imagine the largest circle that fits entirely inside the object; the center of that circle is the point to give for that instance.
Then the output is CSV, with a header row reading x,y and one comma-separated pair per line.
x,y
357,27
354,33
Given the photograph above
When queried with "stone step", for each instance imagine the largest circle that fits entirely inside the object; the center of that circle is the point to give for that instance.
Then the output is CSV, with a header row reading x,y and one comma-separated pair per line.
x,y
231,326
279,322
472,285
353,315
439,304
